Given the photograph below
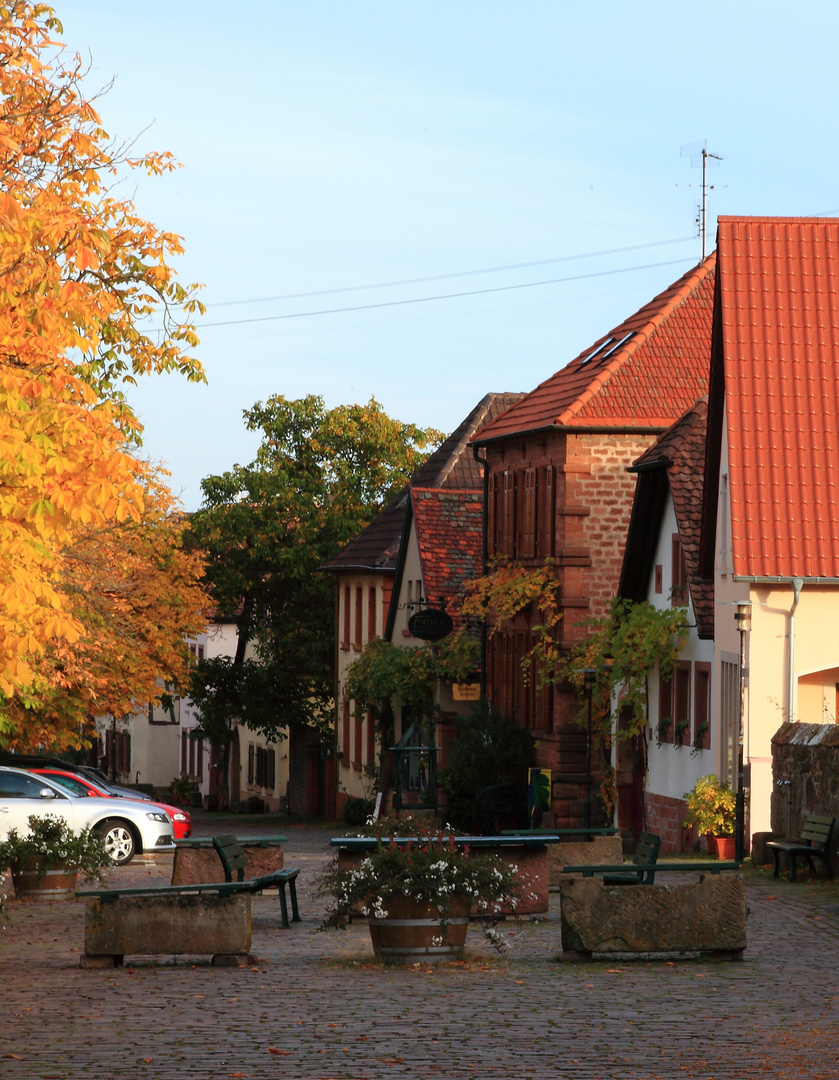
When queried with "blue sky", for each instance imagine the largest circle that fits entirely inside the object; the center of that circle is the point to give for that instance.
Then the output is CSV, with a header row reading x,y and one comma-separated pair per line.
x,y
331,144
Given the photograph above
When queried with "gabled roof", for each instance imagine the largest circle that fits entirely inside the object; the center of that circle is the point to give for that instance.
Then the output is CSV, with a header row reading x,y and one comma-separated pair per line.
x,y
644,373
377,546
778,352
449,525
674,462
452,465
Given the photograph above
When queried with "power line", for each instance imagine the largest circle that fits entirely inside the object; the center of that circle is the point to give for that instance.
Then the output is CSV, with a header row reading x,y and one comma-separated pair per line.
x,y
441,296
444,277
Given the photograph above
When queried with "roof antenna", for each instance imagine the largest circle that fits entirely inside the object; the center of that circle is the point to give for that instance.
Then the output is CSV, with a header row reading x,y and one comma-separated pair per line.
x,y
701,158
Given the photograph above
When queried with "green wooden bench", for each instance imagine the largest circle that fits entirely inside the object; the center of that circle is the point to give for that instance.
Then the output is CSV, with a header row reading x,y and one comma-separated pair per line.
x,y
640,870
649,871
814,843
235,863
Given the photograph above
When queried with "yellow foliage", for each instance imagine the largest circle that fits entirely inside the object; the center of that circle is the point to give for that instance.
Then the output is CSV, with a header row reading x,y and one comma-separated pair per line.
x,y
78,270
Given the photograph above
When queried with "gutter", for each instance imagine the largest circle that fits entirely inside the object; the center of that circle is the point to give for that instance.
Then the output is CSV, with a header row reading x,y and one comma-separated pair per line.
x,y
797,585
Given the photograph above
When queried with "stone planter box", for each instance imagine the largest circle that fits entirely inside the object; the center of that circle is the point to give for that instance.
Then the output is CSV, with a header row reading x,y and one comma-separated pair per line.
x,y
624,922
197,863
171,924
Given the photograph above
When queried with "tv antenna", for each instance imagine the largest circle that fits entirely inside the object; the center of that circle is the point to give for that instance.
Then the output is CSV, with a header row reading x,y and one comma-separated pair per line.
x,y
701,158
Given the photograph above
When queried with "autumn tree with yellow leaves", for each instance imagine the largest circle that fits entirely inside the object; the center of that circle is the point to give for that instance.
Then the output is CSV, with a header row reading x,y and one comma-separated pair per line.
x,y
80,274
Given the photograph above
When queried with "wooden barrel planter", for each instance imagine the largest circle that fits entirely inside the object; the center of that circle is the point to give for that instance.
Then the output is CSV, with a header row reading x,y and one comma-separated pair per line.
x,y
413,931
33,883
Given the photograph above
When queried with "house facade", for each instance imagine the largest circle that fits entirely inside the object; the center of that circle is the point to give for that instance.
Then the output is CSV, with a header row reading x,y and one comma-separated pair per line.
x,y
414,556
558,489
765,573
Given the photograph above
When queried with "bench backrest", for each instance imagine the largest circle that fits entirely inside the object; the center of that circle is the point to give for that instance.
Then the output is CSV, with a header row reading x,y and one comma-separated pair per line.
x,y
818,830
647,849
232,855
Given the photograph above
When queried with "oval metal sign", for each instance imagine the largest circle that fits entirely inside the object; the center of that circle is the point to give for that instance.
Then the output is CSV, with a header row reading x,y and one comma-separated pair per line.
x,y
430,625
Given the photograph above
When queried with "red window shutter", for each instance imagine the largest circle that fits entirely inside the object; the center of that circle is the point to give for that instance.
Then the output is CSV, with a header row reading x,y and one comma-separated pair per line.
x,y
508,514
492,515
547,513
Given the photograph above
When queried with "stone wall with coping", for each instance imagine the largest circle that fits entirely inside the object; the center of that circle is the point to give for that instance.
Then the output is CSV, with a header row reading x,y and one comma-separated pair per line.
x,y
805,777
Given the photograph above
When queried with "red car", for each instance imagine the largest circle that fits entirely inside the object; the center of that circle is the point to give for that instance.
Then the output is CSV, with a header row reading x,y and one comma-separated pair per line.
x,y
80,784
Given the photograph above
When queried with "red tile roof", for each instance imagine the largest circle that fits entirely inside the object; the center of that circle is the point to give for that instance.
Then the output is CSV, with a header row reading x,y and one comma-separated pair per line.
x,y
452,465
644,373
779,292
449,526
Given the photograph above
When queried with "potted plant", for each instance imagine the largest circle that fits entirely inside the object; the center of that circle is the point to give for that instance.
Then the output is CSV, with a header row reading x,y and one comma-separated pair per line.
x,y
711,810
417,892
182,789
46,861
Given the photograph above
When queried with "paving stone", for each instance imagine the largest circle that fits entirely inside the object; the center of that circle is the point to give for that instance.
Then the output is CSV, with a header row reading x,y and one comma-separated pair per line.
x,y
315,1005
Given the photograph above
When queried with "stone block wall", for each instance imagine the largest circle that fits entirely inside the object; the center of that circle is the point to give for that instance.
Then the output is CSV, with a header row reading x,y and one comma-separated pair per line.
x,y
805,775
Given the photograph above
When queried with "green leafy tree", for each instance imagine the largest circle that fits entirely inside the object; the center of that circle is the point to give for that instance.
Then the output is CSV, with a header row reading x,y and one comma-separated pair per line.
x,y
319,477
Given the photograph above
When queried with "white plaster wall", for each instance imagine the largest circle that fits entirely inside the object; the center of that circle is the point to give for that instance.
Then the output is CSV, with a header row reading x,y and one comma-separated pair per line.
x,y
673,770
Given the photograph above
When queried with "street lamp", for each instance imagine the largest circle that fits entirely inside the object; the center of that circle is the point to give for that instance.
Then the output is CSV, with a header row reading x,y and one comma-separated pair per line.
x,y
743,618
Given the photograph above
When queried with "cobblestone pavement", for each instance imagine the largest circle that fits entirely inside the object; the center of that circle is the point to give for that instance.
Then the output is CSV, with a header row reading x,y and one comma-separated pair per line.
x,y
316,1006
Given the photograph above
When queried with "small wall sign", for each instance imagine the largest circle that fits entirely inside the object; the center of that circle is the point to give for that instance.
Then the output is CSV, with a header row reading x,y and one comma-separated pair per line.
x,y
432,624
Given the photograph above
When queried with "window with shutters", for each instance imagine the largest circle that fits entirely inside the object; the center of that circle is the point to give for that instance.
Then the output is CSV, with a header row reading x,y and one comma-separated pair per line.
x,y
702,707
345,639
359,633
508,514
681,703
345,733
546,513
527,517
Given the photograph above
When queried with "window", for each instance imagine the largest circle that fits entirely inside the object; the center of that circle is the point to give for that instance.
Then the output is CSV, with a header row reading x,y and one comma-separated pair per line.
x,y
507,514
546,511
345,640
345,732
659,579
679,576
358,741
702,707
359,635
664,733
371,737
527,524
730,716
371,613
251,757
265,768
681,703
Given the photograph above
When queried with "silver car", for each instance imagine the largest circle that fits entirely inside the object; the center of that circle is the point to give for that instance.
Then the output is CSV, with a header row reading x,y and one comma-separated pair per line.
x,y
127,829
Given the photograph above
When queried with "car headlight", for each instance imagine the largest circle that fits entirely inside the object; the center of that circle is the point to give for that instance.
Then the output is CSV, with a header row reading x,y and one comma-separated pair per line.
x,y
156,815
180,816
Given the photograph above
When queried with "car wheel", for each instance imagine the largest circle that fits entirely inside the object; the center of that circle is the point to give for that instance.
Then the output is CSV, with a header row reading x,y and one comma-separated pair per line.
x,y
119,841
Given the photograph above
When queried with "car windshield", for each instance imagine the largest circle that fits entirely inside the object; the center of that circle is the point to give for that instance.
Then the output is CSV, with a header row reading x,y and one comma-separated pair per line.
x,y
73,786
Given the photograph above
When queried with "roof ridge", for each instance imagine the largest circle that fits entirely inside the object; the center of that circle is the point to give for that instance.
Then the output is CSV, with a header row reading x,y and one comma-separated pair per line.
x,y
605,374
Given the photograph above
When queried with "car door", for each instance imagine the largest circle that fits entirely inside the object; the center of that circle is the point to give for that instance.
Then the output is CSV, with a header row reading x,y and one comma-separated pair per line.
x,y
20,796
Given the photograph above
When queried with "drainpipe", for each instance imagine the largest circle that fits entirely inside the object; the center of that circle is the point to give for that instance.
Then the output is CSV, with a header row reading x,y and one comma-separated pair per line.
x,y
797,586
484,560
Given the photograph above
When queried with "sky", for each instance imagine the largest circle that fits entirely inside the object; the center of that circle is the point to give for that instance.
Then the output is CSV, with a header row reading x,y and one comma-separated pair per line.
x,y
333,145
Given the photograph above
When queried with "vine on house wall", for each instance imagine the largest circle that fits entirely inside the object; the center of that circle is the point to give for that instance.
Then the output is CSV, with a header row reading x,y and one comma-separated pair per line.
x,y
508,589
622,648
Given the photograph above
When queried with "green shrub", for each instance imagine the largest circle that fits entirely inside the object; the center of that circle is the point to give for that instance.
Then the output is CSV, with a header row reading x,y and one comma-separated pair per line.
x,y
356,811
491,749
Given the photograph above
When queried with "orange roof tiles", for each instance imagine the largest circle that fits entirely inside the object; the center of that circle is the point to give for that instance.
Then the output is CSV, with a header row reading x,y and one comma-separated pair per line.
x,y
644,373
449,525
779,294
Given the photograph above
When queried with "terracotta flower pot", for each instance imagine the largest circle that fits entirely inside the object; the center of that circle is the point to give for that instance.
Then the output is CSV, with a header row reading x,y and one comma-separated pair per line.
x,y
725,847
33,883
412,931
